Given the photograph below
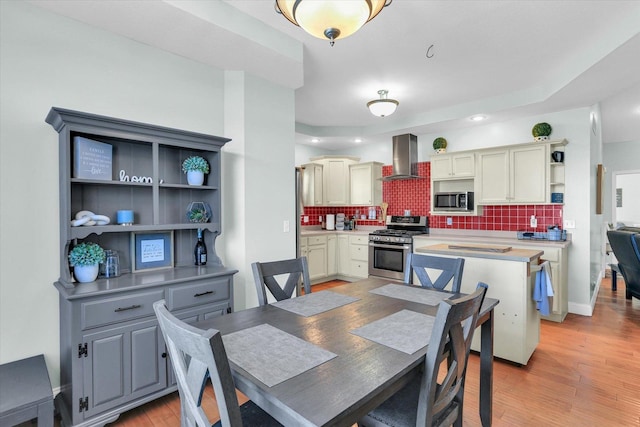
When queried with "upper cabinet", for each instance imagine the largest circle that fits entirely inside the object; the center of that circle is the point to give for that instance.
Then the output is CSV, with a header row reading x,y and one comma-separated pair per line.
x,y
335,179
366,184
312,184
453,166
515,174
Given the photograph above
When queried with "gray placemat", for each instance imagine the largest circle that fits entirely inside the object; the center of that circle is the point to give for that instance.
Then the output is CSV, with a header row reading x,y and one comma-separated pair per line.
x,y
272,355
314,303
412,293
405,331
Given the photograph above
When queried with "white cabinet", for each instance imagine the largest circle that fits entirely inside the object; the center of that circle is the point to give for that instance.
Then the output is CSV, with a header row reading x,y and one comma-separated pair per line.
x,y
366,184
332,255
453,166
513,175
359,256
335,179
317,257
312,184
344,262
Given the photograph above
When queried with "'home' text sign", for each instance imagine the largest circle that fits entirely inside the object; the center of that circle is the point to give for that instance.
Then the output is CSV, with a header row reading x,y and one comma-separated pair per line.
x,y
92,159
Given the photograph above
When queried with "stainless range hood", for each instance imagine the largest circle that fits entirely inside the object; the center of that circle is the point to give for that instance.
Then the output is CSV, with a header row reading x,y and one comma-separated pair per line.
x,y
405,158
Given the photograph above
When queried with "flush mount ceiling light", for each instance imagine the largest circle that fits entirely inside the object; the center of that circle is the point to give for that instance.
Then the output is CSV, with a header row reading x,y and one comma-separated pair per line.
x,y
477,118
330,19
384,106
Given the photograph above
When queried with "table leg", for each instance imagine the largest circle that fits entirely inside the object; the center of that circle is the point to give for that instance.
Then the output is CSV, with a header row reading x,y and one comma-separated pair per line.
x,y
486,370
614,280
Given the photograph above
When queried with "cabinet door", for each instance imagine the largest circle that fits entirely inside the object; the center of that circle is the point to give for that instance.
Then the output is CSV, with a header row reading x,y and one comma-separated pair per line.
x,y
312,185
317,260
123,364
528,175
336,182
463,165
361,185
493,182
332,260
343,255
441,166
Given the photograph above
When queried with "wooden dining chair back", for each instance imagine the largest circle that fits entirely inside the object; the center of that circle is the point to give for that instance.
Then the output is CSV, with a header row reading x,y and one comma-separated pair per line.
x,y
437,403
449,270
196,356
266,274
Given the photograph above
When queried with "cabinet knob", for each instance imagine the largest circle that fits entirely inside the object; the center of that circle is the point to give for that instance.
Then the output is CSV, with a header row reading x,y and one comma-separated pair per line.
x,y
164,355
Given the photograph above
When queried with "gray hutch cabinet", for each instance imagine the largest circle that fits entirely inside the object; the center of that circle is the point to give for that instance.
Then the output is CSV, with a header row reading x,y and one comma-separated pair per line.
x,y
112,355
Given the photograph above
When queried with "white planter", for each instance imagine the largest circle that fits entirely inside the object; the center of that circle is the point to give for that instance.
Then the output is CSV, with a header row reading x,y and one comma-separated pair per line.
x,y
195,177
85,273
541,138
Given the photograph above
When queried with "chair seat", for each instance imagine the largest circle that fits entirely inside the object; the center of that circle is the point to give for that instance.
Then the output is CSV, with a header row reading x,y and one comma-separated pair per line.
x,y
400,409
253,415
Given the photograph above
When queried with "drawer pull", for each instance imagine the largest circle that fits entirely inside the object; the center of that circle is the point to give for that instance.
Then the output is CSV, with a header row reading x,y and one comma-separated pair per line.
x,y
133,307
203,293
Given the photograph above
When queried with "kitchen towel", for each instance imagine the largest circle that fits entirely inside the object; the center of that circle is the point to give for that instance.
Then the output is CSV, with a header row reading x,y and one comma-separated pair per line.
x,y
543,289
412,293
272,355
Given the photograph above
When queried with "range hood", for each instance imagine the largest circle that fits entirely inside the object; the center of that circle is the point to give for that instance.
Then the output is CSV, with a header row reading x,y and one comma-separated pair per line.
x,y
405,158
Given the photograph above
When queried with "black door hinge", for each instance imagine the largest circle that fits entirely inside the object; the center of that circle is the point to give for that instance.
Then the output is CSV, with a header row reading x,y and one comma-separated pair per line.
x,y
82,350
83,404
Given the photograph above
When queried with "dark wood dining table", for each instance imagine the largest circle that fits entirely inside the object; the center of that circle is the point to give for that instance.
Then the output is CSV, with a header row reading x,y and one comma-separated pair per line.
x,y
364,373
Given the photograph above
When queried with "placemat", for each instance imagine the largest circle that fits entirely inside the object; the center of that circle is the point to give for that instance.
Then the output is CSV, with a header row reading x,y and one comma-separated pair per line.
x,y
314,303
405,331
412,293
272,355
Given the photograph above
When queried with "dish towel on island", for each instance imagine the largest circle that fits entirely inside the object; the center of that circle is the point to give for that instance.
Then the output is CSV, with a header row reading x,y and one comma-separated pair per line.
x,y
543,289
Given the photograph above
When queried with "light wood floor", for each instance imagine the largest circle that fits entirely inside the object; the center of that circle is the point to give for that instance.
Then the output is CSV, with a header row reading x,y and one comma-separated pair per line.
x,y
584,372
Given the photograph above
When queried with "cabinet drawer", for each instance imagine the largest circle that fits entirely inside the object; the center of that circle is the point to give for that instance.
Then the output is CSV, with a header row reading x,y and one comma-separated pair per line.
x,y
359,252
359,240
201,292
119,309
359,268
316,240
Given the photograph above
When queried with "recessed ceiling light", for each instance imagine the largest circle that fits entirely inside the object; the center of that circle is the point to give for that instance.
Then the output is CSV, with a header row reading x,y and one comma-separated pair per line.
x,y
315,140
477,118
357,140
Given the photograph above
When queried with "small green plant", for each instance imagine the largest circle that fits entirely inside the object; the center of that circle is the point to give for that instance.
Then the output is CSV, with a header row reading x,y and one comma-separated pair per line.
x,y
439,143
541,129
198,215
86,254
195,163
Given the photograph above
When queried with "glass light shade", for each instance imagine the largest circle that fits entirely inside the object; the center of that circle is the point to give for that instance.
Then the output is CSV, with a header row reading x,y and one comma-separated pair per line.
x,y
382,107
330,19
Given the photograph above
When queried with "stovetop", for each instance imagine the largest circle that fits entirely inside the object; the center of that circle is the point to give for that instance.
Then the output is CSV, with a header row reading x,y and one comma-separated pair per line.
x,y
402,229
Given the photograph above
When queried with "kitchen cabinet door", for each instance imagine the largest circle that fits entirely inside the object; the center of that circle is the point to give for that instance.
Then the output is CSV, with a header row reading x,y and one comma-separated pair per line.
x,y
343,255
336,182
528,177
366,184
317,257
493,183
312,184
332,255
453,166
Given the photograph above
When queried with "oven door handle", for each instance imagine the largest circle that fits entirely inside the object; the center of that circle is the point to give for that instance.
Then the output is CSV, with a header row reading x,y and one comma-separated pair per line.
x,y
383,246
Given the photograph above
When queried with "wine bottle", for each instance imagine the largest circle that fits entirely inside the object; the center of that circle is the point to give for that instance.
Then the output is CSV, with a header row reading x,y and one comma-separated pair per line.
x,y
200,251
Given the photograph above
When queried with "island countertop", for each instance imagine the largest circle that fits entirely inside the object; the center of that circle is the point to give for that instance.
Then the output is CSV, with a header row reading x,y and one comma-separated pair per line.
x,y
501,252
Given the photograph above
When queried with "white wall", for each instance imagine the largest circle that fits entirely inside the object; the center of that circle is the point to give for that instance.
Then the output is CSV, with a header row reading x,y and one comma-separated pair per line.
x,y
579,204
48,60
629,212
618,158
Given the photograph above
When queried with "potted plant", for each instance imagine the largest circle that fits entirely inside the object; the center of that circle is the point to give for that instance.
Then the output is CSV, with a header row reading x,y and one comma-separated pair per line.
x,y
198,212
195,167
440,145
84,258
541,131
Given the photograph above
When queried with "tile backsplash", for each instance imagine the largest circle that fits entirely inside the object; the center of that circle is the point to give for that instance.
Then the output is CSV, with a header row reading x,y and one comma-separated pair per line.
x,y
415,195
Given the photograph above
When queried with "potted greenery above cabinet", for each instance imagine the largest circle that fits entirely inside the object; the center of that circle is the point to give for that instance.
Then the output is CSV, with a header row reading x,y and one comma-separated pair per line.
x,y
111,348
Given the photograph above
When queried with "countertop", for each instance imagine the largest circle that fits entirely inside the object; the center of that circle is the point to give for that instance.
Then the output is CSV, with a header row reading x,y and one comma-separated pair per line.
x,y
485,237
514,254
358,231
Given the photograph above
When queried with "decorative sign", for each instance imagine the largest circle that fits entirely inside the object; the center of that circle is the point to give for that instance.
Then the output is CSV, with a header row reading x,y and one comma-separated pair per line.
x,y
151,251
91,159
126,178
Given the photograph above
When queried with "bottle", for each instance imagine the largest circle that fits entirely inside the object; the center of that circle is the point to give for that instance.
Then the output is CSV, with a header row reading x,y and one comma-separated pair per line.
x,y
200,251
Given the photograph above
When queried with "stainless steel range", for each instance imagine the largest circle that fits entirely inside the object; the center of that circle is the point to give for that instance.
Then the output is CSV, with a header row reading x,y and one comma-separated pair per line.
x,y
388,248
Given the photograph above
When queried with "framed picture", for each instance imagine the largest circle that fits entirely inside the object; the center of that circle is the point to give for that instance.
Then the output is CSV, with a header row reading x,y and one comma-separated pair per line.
x,y
151,250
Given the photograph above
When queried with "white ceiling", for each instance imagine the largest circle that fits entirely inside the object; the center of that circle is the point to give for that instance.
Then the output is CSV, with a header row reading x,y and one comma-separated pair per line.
x,y
503,59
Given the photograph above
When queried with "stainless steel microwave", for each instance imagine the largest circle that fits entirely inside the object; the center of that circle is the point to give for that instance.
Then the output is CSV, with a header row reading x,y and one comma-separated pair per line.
x,y
459,201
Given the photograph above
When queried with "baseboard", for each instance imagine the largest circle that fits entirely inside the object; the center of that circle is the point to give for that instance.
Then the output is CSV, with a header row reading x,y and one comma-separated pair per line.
x,y
587,309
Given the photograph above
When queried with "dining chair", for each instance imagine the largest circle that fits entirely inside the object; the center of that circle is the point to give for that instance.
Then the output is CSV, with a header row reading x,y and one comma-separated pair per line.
x,y
450,270
424,401
197,355
626,248
264,274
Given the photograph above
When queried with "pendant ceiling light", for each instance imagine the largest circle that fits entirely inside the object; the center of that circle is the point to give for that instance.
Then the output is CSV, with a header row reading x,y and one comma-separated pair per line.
x,y
384,106
331,19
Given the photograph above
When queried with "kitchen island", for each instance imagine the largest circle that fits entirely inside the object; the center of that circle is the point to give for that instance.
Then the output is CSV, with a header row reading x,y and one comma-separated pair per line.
x,y
510,274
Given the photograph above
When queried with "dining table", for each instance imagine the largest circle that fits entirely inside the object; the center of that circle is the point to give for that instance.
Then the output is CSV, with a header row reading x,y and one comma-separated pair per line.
x,y
330,357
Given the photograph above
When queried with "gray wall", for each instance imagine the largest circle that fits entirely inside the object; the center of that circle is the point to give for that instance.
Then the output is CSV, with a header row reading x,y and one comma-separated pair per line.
x,y
48,60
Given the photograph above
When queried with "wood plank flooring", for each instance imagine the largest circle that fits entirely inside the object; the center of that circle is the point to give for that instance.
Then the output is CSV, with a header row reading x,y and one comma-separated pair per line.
x,y
584,372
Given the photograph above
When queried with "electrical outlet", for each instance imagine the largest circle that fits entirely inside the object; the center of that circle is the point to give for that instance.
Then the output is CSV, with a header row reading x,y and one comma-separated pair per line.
x,y
569,223
285,226
306,218
449,221
533,222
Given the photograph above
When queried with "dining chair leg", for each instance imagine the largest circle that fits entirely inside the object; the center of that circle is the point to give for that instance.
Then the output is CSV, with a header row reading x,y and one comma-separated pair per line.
x,y
486,370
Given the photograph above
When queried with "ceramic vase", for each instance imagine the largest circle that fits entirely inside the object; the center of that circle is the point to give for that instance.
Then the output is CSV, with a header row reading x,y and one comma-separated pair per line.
x,y
85,273
195,177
